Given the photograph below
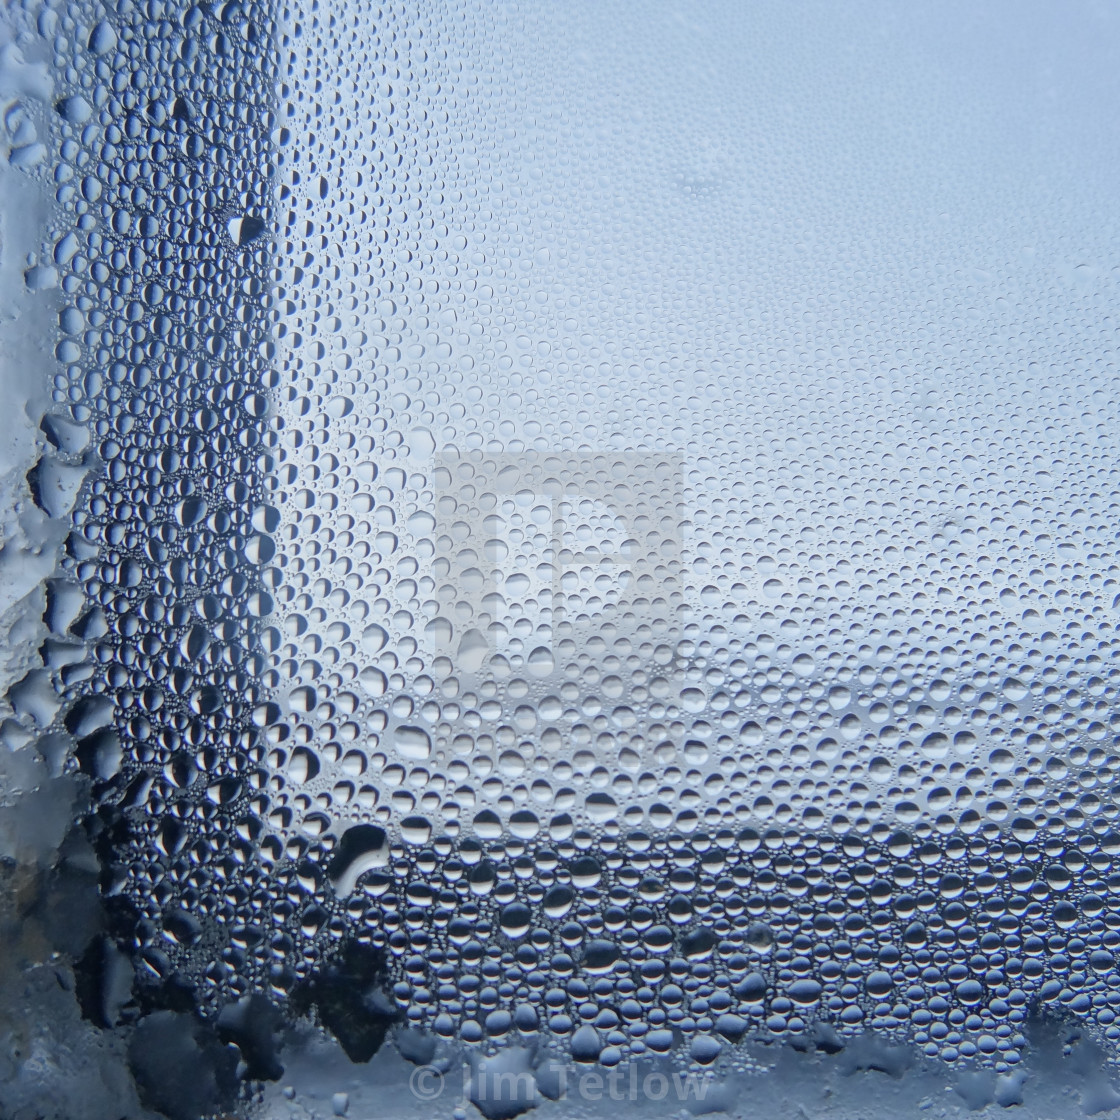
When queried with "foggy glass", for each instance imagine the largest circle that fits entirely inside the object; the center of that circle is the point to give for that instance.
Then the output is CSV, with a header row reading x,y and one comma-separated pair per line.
x,y
555,542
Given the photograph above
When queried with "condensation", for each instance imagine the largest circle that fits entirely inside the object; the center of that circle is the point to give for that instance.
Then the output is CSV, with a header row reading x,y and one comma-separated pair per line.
x,y
612,506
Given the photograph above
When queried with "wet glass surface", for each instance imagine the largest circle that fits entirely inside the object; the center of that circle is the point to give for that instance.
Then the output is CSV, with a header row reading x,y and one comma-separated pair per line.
x,y
558,543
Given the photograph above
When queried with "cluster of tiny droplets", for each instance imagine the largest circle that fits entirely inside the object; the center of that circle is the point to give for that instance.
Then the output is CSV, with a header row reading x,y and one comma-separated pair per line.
x,y
854,764
163,183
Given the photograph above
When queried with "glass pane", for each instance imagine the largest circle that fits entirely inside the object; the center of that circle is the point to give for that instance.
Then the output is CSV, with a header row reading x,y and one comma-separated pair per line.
x,y
577,540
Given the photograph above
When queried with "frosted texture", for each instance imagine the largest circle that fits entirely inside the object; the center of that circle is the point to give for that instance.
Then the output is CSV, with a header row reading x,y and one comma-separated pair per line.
x,y
607,509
